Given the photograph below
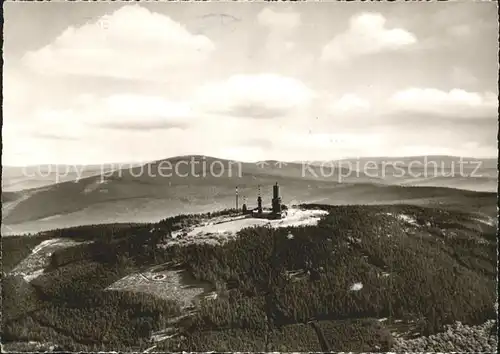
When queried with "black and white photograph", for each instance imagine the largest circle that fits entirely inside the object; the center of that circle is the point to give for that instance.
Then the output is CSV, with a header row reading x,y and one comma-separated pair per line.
x,y
249,176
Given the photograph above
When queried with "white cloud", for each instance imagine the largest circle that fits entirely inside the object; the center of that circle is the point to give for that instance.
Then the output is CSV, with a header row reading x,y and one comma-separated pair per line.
x,y
132,42
454,103
65,123
120,111
254,96
462,76
350,103
243,153
140,120
325,143
88,116
294,144
144,112
367,34
279,21
280,28
16,87
462,30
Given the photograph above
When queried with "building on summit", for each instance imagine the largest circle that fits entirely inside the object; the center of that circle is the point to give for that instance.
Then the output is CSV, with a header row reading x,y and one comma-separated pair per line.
x,y
275,212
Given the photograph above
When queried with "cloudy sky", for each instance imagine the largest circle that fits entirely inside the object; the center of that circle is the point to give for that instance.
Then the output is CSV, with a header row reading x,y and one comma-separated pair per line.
x,y
114,82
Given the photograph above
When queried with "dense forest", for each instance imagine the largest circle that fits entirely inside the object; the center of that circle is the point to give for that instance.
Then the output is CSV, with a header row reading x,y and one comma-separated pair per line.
x,y
271,283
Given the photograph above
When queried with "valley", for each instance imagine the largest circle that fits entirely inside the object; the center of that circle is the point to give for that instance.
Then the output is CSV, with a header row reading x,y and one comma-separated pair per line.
x,y
141,194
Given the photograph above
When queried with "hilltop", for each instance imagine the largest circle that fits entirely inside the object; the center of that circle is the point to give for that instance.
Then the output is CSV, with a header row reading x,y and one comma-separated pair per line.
x,y
383,276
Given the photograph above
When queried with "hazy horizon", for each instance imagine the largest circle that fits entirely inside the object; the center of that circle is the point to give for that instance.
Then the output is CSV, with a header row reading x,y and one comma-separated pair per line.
x,y
125,163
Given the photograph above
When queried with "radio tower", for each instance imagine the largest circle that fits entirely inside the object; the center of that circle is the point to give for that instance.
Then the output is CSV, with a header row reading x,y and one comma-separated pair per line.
x,y
244,207
236,197
276,202
259,202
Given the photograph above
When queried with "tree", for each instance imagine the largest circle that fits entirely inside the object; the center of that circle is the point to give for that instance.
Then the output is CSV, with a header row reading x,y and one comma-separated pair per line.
x,y
124,262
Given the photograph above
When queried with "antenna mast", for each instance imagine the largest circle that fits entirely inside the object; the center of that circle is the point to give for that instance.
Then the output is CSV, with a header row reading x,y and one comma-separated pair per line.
x,y
236,197
259,203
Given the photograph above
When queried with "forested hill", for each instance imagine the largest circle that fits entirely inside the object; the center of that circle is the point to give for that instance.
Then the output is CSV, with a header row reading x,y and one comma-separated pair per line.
x,y
420,268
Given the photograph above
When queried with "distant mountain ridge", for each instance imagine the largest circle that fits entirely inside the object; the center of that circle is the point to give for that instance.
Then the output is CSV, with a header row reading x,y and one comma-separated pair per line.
x,y
16,178
489,162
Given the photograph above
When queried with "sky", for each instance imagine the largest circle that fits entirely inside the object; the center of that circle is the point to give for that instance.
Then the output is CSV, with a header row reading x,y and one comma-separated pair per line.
x,y
90,83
